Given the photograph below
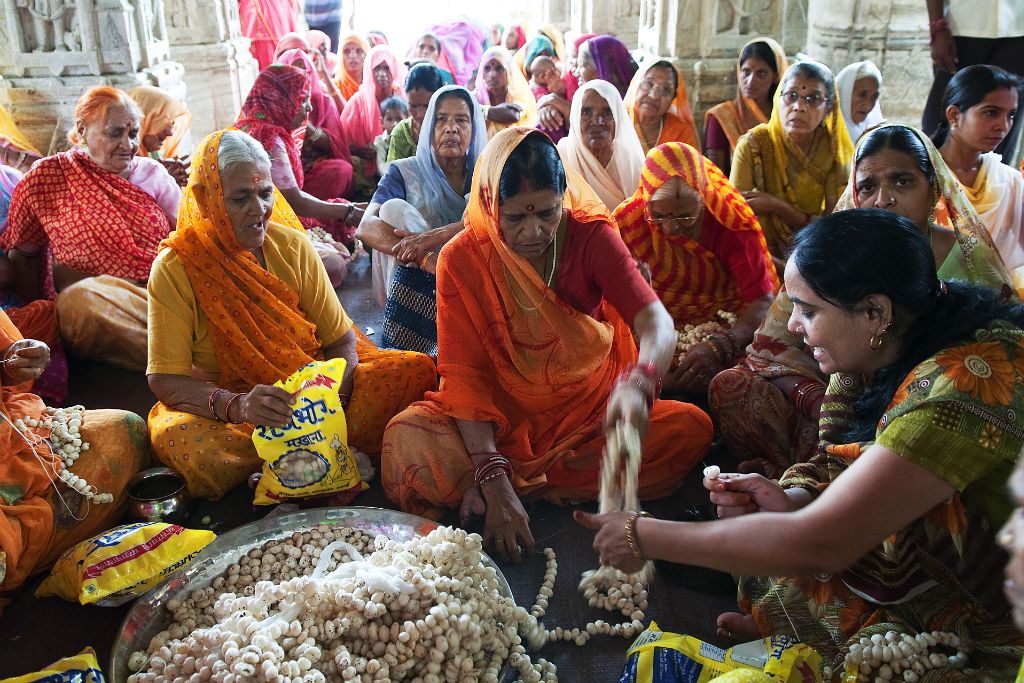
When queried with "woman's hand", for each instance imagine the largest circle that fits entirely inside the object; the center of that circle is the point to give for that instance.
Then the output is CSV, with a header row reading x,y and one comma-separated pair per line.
x,y
610,540
364,152
25,360
265,405
506,524
762,203
354,216
413,247
741,494
178,168
627,405
695,370
507,112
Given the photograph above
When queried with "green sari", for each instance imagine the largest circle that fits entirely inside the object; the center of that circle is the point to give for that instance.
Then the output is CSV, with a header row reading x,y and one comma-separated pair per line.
x,y
403,144
960,415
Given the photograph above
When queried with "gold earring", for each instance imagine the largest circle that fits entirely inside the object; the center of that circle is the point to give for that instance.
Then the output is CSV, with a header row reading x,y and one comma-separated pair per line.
x,y
877,340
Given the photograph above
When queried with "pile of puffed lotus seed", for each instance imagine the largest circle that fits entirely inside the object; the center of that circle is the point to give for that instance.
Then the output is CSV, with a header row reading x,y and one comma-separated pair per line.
x,y
331,603
300,468
691,335
900,656
66,443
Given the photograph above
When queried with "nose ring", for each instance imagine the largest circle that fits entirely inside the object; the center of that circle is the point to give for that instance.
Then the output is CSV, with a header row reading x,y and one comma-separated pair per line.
x,y
892,201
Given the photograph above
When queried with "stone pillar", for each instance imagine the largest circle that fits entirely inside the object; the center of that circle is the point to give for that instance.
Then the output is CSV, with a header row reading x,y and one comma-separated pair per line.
x,y
892,34
51,51
704,37
557,12
616,17
206,37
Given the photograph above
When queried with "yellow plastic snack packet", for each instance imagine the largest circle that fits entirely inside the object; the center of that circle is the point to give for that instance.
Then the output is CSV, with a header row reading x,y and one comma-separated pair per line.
x,y
81,668
121,564
659,657
309,456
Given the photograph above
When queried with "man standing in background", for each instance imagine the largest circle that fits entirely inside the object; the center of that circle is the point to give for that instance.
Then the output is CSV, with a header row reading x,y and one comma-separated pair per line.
x,y
325,15
966,32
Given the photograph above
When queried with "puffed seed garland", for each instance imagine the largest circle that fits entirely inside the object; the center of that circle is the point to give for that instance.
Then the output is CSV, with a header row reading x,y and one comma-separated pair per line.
x,y
691,335
66,443
901,656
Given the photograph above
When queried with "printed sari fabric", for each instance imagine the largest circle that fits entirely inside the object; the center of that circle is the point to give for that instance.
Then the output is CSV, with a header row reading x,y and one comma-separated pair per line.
x,y
677,124
767,160
271,107
512,352
740,114
778,433
692,280
958,415
85,218
258,334
37,523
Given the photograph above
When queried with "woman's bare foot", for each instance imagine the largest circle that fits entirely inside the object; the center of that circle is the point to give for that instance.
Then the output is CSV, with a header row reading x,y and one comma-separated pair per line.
x,y
739,628
472,505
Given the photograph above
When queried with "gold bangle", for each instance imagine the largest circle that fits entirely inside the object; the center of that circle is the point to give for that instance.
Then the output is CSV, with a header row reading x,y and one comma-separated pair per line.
x,y
631,539
426,257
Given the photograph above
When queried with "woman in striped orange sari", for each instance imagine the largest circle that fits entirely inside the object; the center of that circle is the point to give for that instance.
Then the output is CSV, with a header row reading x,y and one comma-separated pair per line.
x,y
705,252
537,300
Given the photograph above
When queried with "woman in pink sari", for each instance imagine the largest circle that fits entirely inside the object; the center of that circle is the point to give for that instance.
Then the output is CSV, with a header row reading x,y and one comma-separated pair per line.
x,y
264,22
326,161
383,75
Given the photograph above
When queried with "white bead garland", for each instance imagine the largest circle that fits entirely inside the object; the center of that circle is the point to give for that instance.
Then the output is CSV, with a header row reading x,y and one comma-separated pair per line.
x,y
901,656
691,335
66,443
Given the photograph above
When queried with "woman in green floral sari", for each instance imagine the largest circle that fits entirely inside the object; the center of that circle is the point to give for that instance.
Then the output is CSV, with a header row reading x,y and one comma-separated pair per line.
x,y
767,407
891,526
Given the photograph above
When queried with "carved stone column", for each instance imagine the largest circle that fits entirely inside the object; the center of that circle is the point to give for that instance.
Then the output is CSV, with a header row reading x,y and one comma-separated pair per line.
x,y
892,34
705,37
206,37
616,17
51,51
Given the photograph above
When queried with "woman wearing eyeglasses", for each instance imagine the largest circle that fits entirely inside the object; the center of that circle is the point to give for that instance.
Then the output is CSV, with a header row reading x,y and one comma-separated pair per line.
x,y
705,252
792,169
659,107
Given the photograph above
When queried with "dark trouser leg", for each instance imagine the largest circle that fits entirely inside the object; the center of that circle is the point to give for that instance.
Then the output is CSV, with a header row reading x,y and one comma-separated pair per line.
x,y
332,29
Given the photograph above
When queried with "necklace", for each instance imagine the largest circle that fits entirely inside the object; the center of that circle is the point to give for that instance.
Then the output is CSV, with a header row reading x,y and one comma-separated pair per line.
x,y
548,282
661,128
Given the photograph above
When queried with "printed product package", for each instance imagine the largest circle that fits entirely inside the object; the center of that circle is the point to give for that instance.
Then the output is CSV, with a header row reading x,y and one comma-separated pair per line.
x,y
121,564
309,456
82,668
660,657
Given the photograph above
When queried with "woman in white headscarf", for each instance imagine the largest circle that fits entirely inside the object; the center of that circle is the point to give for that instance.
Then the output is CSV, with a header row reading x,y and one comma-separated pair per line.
x,y
858,86
602,144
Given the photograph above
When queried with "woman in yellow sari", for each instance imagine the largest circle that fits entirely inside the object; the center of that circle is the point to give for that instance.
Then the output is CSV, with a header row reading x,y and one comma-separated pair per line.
x,y
503,92
793,168
659,106
762,62
536,301
238,299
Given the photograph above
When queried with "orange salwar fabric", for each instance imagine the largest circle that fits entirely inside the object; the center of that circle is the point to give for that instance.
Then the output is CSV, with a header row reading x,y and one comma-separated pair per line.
x,y
690,280
35,527
215,457
512,353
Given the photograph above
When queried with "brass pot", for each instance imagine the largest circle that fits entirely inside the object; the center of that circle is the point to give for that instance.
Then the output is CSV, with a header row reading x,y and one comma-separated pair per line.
x,y
159,495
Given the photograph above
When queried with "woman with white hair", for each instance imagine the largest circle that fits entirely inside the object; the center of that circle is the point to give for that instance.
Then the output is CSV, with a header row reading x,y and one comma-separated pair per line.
x,y
239,299
858,86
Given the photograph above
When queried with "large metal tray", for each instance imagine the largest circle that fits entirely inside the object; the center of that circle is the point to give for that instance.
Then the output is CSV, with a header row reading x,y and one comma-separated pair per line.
x,y
149,616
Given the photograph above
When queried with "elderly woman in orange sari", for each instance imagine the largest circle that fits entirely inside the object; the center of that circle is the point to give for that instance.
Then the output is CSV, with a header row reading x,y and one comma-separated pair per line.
x,y
86,223
165,120
705,252
536,302
238,301
659,106
40,515
762,62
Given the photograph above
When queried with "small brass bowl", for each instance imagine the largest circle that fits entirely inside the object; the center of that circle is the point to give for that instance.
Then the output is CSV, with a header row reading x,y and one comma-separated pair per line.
x,y
159,495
